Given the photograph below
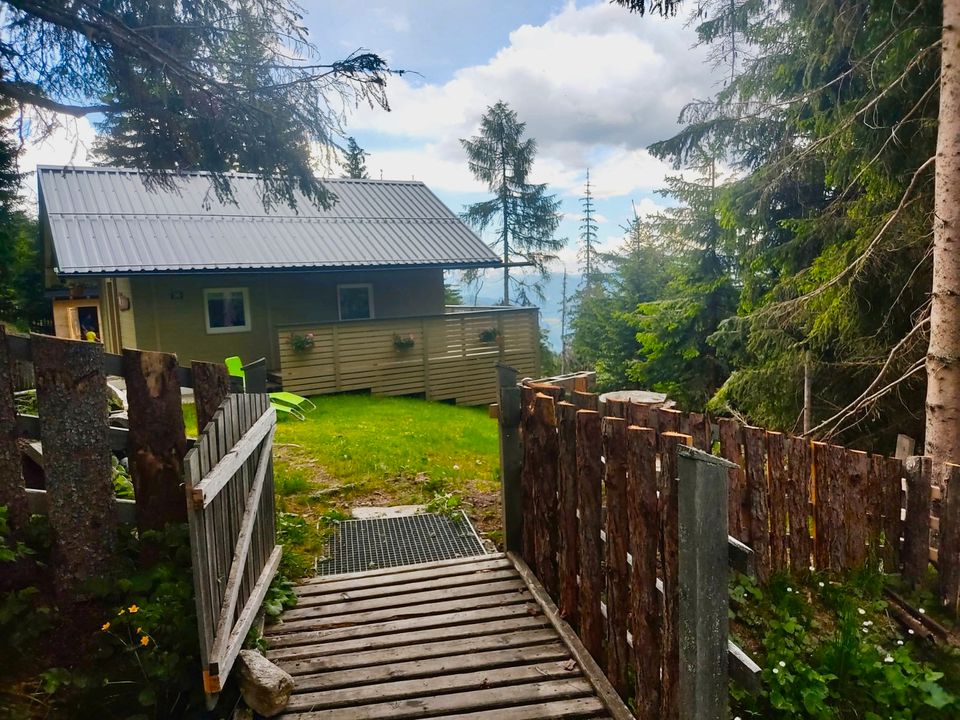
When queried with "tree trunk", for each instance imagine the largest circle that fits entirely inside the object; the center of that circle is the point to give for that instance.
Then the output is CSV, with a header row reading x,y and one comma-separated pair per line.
x,y
943,356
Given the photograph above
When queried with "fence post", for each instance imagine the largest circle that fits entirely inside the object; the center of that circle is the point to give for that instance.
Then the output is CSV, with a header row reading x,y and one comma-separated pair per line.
x,y
511,458
702,580
949,557
72,400
916,526
157,441
12,492
211,385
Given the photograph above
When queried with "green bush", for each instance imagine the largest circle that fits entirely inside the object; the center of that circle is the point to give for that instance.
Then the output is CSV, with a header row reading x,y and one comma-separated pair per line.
x,y
829,651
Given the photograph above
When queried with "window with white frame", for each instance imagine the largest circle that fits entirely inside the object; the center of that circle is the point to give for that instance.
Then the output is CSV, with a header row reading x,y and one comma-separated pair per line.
x,y
227,310
355,301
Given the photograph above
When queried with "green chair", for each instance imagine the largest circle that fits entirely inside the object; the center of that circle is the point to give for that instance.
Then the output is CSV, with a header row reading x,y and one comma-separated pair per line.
x,y
283,402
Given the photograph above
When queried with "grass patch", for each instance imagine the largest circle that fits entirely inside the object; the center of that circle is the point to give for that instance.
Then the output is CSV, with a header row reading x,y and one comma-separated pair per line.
x,y
366,450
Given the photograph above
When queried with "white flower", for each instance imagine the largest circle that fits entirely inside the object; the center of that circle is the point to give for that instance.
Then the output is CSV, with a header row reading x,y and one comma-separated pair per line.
x,y
861,611
922,611
899,642
888,659
782,664
910,632
867,623
821,583
776,670
789,589
456,467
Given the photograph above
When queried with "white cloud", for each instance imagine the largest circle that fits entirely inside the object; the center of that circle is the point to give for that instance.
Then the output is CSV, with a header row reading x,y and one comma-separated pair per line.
x,y
70,143
594,84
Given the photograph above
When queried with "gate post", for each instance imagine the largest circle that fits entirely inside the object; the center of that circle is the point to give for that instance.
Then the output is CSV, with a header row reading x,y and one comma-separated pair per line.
x,y
511,457
703,584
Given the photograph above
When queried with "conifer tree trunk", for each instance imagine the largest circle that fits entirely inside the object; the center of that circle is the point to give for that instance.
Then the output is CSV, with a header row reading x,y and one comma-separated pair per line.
x,y
943,356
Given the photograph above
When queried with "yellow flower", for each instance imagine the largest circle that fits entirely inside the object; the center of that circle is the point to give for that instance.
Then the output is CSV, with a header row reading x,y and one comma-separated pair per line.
x,y
105,626
121,612
144,641
139,630
133,609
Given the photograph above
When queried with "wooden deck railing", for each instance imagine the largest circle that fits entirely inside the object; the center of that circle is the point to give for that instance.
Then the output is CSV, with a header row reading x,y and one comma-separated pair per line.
x,y
452,356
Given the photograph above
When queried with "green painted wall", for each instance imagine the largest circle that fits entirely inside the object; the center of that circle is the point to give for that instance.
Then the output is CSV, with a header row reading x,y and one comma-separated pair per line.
x,y
169,312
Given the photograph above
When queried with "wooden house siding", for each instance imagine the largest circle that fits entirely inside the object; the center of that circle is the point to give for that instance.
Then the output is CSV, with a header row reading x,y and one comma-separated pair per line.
x,y
453,356
167,311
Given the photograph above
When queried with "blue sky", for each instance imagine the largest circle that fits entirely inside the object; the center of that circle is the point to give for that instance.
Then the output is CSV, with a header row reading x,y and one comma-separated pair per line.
x,y
594,84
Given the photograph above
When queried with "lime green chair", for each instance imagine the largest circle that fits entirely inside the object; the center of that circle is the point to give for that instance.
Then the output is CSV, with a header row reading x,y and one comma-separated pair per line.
x,y
286,403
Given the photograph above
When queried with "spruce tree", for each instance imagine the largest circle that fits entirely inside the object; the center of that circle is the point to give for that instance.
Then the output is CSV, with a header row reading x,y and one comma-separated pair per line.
x,y
522,215
353,160
588,234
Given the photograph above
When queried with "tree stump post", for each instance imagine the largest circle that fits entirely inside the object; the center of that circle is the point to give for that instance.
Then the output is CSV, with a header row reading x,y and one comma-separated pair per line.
x,y
12,491
211,385
157,440
72,400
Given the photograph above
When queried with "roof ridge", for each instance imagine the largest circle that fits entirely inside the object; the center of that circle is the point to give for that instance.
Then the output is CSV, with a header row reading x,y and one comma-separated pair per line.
x,y
110,169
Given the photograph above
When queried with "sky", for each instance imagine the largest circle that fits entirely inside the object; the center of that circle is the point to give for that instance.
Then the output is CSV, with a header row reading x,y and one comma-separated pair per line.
x,y
595,85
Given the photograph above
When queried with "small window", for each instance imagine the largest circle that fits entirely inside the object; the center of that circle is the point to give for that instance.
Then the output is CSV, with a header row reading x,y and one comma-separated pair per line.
x,y
355,301
227,310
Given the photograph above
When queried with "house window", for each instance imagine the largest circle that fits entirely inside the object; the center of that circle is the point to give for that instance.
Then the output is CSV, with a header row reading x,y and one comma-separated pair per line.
x,y
227,310
355,301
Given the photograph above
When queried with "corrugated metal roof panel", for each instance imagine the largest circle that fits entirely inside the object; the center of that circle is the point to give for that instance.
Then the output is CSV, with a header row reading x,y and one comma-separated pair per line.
x,y
108,221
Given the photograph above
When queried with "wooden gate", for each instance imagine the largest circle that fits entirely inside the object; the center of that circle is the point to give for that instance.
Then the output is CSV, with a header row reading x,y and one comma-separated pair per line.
x,y
229,485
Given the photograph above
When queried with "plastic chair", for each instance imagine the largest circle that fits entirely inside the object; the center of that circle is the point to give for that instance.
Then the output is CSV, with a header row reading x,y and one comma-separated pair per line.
x,y
283,402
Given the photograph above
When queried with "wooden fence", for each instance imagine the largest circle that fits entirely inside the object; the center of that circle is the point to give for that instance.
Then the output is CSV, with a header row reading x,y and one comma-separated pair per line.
x,y
635,558
229,480
801,504
228,475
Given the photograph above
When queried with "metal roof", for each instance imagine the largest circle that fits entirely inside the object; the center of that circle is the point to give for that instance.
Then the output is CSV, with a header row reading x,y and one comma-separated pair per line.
x,y
107,221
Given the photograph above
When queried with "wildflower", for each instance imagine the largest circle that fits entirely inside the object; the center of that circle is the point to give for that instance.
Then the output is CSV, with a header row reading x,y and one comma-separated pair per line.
x,y
910,632
776,670
820,583
782,664
867,623
139,630
789,589
121,612
133,608
456,467
861,611
105,626
922,611
888,659
145,641
899,642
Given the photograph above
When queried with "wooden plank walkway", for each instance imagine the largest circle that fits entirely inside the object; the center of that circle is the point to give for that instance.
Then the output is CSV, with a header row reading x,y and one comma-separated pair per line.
x,y
467,638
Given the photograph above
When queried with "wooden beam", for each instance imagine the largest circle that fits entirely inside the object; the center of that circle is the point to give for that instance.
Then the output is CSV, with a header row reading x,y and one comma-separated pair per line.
x,y
226,468
591,670
38,503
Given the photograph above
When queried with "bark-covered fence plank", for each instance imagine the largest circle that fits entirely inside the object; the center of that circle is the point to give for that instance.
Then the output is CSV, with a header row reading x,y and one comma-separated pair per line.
x,y
72,400
617,575
645,601
916,526
568,524
527,478
12,491
211,385
857,505
731,437
669,553
157,441
892,501
546,479
779,500
798,503
758,492
949,551
590,482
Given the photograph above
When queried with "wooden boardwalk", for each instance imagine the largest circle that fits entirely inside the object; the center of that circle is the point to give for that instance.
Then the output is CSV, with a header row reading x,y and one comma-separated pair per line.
x,y
469,638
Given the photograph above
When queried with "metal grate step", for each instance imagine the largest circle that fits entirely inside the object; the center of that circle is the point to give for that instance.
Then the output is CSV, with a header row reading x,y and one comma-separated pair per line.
x,y
359,545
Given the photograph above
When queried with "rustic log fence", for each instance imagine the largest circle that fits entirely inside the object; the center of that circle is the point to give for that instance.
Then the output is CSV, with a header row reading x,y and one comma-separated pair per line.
x,y
627,530
222,483
802,504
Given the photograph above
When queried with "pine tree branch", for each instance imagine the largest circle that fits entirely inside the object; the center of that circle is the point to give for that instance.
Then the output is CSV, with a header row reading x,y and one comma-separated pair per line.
x,y
30,94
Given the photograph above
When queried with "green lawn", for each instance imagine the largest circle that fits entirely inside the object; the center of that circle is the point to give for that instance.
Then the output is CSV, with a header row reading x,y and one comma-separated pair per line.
x,y
364,450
